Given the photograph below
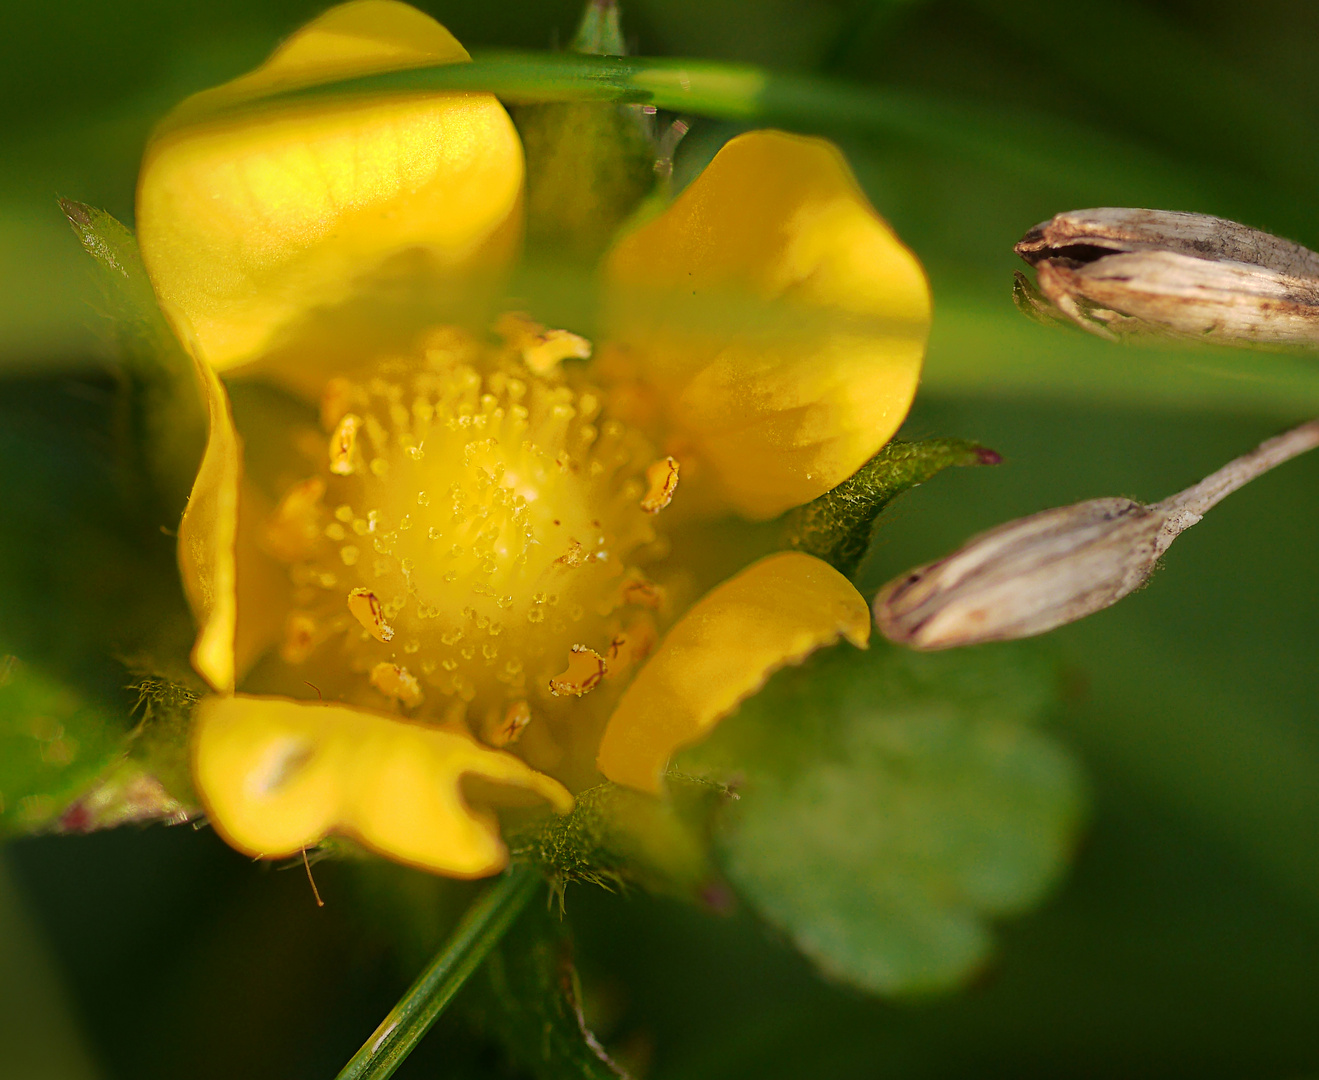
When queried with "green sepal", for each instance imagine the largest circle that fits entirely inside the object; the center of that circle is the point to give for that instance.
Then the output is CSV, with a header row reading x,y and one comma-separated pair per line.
x,y
528,997
160,740
892,804
161,421
615,835
589,164
838,526
600,33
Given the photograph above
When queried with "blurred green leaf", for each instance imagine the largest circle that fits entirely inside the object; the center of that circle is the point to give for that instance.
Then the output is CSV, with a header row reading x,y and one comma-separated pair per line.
x,y
981,349
53,743
527,995
838,526
892,803
161,409
88,573
88,589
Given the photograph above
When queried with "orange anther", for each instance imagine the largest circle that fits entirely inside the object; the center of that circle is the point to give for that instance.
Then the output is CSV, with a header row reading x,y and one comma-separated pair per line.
x,y
516,718
661,482
343,443
367,610
397,682
585,669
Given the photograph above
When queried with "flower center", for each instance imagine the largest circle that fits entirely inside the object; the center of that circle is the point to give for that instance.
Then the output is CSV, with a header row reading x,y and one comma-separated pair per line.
x,y
474,544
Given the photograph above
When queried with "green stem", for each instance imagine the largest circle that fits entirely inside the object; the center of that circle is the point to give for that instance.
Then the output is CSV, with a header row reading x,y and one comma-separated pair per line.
x,y
485,922
1018,141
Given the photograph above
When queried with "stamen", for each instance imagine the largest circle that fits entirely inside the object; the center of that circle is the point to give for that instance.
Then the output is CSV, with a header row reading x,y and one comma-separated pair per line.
x,y
397,683
342,444
477,518
631,646
586,668
640,591
541,350
661,483
367,610
509,730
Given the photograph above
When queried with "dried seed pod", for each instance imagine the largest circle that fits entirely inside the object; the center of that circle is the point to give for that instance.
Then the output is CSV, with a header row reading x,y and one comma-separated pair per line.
x,y
1053,568
1120,272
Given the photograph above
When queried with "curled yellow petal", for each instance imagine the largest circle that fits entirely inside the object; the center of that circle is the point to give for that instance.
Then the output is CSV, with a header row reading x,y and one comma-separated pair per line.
x,y
775,612
774,321
278,775
262,223
208,536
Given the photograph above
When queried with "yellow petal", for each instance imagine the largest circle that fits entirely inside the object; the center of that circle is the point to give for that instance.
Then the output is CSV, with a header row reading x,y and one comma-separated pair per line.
x,y
259,228
278,775
775,612
774,319
208,537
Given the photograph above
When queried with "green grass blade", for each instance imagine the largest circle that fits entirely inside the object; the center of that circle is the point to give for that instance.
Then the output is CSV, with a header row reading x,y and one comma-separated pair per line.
x,y
1021,142
485,922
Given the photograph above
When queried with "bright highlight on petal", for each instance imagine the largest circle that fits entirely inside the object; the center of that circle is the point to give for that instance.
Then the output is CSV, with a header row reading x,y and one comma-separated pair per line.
x,y
256,223
278,776
773,320
208,537
775,612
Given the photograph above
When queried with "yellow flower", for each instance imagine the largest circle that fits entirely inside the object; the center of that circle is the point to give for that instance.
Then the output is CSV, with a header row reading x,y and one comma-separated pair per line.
x,y
473,570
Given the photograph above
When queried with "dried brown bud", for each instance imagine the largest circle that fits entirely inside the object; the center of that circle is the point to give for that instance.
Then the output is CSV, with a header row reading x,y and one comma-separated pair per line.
x,y
1120,272
1055,567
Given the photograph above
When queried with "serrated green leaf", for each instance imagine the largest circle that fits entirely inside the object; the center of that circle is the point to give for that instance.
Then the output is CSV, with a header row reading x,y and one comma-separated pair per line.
x,y
527,995
892,804
837,527
87,581
53,744
161,416
128,296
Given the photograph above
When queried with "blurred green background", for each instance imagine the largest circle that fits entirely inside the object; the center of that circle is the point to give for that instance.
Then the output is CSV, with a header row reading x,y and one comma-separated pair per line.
x,y
1184,942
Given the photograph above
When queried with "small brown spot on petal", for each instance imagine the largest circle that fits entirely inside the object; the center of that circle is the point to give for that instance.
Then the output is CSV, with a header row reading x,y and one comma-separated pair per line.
x,y
661,482
397,682
299,638
367,610
585,669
